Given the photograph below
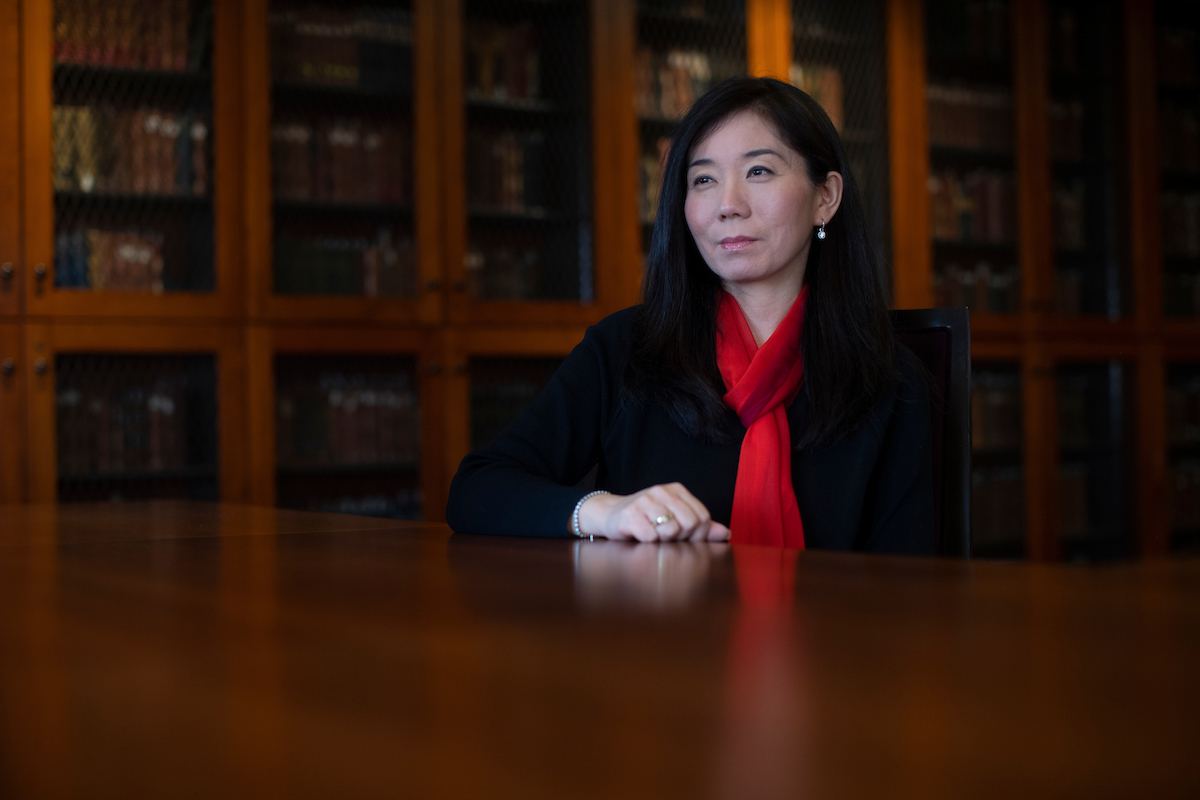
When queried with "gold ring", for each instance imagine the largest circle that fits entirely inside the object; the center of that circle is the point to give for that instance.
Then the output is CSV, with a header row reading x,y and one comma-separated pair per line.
x,y
663,519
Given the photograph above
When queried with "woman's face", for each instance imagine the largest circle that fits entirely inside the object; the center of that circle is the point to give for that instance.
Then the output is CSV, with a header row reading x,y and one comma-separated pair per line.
x,y
751,207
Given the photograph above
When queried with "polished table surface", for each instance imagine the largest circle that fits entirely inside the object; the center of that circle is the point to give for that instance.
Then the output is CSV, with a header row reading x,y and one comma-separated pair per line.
x,y
189,650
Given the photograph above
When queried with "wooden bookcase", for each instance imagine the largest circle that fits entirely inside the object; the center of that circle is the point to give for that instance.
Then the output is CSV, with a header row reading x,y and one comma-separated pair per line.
x,y
445,324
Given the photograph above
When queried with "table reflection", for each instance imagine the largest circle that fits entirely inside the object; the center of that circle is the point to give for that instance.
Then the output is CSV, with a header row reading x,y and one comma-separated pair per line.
x,y
669,576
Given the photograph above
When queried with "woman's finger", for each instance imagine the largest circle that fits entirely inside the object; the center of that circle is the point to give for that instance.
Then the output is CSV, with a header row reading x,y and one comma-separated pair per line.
x,y
718,532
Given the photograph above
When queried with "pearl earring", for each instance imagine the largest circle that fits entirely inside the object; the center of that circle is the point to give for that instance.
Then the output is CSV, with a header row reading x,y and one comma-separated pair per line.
x,y
821,231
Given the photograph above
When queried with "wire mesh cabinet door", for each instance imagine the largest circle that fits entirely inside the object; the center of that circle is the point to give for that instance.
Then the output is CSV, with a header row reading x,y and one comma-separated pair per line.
x,y
128,116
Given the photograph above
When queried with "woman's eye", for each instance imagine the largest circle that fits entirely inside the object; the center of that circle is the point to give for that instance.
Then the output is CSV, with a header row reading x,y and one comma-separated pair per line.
x,y
755,171
701,179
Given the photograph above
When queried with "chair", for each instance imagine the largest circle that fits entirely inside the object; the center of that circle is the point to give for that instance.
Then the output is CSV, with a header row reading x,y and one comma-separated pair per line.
x,y
941,339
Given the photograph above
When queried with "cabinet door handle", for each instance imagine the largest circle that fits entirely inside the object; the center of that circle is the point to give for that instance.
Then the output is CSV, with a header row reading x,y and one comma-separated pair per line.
x,y
8,366
39,366
40,273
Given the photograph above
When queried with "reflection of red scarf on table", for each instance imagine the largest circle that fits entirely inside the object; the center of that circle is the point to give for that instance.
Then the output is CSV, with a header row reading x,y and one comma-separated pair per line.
x,y
761,382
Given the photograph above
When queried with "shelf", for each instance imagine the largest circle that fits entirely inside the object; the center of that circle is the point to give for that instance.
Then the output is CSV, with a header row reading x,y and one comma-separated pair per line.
x,y
949,155
957,71
965,246
1083,454
134,202
324,207
731,27
84,84
817,35
996,457
656,127
334,470
187,473
309,95
527,215
532,107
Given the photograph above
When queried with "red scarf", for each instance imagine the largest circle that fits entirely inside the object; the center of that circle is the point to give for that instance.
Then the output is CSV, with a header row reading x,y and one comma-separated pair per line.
x,y
761,383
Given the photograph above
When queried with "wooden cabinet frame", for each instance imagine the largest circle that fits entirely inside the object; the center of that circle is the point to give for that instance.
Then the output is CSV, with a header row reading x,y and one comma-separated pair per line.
x,y
429,179
460,346
41,298
44,341
265,342
12,410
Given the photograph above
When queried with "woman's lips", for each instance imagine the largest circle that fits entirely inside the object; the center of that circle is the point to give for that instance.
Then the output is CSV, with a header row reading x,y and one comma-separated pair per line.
x,y
736,242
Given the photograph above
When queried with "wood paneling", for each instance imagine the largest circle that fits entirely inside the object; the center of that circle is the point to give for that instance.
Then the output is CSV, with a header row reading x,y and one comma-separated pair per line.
x,y
12,412
908,155
10,159
769,38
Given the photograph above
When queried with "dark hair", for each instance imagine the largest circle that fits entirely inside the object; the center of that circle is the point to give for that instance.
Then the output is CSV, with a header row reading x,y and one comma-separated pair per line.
x,y
847,340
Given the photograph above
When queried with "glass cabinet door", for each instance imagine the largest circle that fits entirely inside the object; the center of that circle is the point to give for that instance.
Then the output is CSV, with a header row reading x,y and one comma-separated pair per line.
x,y
527,150
684,47
839,57
348,435
997,461
132,150
1179,156
1095,401
501,388
1089,216
133,426
972,181
1183,454
342,149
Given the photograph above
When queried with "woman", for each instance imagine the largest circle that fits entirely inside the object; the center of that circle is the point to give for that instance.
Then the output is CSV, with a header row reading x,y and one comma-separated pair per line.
x,y
758,387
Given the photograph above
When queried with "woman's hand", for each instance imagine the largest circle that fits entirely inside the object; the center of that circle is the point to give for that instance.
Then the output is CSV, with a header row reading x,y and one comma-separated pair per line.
x,y
636,516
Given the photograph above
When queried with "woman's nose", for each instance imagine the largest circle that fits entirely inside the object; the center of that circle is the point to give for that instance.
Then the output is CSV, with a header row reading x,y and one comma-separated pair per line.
x,y
733,201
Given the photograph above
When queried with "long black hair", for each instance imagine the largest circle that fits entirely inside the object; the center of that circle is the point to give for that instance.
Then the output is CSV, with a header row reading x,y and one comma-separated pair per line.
x,y
847,339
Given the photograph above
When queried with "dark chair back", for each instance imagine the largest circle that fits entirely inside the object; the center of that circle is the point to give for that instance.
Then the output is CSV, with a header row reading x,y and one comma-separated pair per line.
x,y
941,339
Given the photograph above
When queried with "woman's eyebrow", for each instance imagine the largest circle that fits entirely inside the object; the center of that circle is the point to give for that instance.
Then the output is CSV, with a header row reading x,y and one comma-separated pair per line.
x,y
763,152
699,162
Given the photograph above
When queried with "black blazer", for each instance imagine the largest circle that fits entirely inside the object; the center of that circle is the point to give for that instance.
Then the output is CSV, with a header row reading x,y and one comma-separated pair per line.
x,y
871,491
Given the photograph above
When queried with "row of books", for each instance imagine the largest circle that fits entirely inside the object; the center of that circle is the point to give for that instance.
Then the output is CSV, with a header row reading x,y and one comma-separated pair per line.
x,y
824,84
974,119
1074,501
344,420
505,270
997,506
1180,216
995,410
505,169
1181,294
1070,214
114,261
1178,138
985,37
1066,130
1064,40
1185,494
1183,410
978,207
143,151
407,504
650,173
143,34
667,83
1069,284
383,265
106,429
1176,53
368,48
342,161
983,289
502,62
1074,395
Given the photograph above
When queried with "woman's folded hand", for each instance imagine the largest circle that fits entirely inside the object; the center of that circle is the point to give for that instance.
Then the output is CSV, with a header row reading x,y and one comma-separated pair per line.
x,y
663,513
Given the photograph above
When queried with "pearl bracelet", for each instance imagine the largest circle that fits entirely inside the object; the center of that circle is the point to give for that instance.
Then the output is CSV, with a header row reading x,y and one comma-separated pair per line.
x,y
575,515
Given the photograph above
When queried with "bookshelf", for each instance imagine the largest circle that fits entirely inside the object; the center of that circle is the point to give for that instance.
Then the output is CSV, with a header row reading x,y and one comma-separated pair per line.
x,y
683,48
1183,442
454,264
839,57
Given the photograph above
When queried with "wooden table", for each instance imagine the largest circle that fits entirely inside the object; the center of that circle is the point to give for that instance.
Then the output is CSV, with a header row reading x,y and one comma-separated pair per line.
x,y
180,650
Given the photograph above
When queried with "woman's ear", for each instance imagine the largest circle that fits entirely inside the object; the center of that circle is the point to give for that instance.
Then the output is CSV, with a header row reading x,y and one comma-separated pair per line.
x,y
829,197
